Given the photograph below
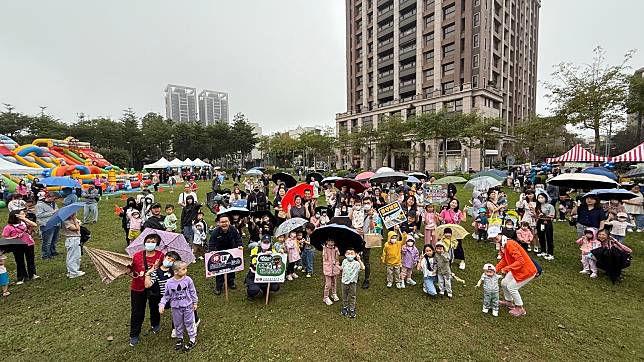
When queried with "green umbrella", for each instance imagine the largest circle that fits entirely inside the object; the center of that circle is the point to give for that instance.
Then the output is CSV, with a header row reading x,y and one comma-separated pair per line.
x,y
450,180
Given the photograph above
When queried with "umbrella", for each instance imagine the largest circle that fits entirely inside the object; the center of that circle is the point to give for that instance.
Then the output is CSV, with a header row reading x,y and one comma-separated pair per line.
x,y
323,208
261,213
413,180
351,184
109,265
240,203
603,171
63,214
259,168
341,220
635,173
60,181
169,242
254,172
330,180
450,180
344,237
583,181
482,183
458,232
351,175
241,211
489,173
364,176
318,176
387,177
290,225
385,169
287,179
419,175
612,194
289,196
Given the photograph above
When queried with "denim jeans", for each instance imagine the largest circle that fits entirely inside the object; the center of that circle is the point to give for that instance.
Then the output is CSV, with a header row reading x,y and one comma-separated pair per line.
x,y
307,260
72,244
90,213
49,239
430,286
639,220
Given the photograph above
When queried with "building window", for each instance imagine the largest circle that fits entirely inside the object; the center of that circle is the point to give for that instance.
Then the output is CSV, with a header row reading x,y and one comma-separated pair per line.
x,y
358,80
475,81
476,20
448,49
359,94
429,56
475,61
449,10
458,105
448,69
448,106
359,68
428,108
447,30
428,91
475,41
477,2
429,73
447,87
358,24
429,19
429,38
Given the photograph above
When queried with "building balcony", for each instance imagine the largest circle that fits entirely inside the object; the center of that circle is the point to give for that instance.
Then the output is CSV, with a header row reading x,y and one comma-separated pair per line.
x,y
407,21
407,71
407,38
387,93
383,2
407,54
386,13
385,62
408,87
404,4
386,77
386,46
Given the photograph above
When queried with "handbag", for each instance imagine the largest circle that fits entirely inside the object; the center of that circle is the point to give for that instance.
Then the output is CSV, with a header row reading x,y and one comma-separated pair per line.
x,y
372,241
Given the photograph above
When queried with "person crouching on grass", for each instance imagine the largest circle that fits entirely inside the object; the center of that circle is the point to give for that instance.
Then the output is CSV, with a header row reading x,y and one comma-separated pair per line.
x,y
181,293
351,266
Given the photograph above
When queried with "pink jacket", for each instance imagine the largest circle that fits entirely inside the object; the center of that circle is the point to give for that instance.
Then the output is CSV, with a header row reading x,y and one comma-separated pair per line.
x,y
430,220
451,217
525,236
292,250
330,261
586,245
18,231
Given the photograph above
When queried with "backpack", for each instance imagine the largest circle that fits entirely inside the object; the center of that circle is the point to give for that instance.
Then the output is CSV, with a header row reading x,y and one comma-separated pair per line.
x,y
85,235
536,265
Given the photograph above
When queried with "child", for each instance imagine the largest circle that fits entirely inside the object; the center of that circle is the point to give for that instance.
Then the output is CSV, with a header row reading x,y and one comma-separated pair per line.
x,y
449,244
618,229
480,223
431,219
308,251
351,266
170,220
409,254
324,218
279,244
508,230
587,243
443,271
428,266
134,220
4,276
198,240
299,238
409,226
293,253
391,257
181,293
357,215
525,236
330,269
490,281
71,232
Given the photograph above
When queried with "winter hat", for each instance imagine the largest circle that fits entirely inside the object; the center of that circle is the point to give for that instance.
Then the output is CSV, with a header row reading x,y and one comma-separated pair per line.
x,y
488,266
410,238
493,232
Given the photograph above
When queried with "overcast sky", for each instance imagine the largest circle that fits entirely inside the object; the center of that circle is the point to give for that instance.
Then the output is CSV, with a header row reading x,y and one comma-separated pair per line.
x,y
282,61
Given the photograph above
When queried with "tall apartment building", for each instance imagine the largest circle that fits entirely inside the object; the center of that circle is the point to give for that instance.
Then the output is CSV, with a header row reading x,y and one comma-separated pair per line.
x,y
213,107
180,103
406,57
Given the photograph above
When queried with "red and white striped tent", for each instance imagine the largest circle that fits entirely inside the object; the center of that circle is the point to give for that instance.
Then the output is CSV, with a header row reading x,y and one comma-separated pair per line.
x,y
577,154
634,155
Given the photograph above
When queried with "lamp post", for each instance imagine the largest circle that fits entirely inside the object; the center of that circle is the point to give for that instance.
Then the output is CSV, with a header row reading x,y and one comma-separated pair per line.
x,y
131,156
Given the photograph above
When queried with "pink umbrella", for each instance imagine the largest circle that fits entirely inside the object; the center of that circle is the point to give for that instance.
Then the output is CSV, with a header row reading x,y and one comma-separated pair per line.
x,y
364,176
169,242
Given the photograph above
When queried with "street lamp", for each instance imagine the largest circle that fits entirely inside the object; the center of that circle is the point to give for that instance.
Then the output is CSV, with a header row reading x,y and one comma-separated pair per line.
x,y
131,157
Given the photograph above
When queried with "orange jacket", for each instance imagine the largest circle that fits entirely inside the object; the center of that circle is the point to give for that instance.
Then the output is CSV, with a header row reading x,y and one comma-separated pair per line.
x,y
516,260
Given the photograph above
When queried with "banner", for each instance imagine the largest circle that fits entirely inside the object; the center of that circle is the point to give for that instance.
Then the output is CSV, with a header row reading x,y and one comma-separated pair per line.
x,y
224,262
392,214
270,268
435,194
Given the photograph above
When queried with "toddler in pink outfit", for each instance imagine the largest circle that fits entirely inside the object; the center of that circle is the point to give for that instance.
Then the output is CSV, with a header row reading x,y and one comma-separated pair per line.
x,y
330,269
587,243
431,219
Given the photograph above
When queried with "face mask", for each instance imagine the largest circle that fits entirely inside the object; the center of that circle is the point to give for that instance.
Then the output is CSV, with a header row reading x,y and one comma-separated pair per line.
x,y
265,246
393,240
150,246
350,257
356,207
168,264
409,243
367,207
317,216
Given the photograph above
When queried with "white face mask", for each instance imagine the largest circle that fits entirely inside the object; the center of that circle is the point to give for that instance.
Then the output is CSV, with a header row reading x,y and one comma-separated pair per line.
x,y
150,246
367,207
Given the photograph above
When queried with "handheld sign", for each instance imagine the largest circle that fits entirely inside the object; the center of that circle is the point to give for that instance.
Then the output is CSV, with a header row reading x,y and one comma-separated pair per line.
x,y
392,214
435,194
270,268
224,262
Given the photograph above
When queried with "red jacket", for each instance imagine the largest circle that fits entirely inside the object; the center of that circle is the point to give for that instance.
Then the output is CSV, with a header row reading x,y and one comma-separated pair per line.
x,y
138,267
516,260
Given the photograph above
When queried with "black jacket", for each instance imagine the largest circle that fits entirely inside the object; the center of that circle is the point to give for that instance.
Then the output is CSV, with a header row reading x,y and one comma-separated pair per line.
x,y
220,240
189,214
154,222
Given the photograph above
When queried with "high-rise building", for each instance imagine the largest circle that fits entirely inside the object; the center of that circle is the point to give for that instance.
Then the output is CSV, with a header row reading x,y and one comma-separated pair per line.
x,y
406,57
213,107
180,103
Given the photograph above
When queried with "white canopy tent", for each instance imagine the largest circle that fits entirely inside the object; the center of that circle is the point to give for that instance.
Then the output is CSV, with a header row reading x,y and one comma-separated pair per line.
x,y
199,163
176,163
187,163
162,163
11,168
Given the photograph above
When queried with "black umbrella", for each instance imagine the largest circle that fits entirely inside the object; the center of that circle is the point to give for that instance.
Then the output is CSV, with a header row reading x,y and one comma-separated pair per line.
x,y
344,237
261,213
341,220
287,179
318,177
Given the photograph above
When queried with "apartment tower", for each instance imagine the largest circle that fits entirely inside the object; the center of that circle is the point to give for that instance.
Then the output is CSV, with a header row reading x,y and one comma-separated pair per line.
x,y
406,57
180,103
213,107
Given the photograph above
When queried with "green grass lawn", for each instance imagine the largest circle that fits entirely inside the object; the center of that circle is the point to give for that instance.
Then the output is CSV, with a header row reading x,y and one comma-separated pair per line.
x,y
570,316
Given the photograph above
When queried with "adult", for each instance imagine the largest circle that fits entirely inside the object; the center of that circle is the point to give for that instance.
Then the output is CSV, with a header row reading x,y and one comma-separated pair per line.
x,y
188,215
45,209
553,193
130,205
492,206
155,221
155,181
451,190
70,197
316,187
310,202
216,184
144,262
589,214
518,268
635,208
253,289
90,211
236,194
224,236
280,213
378,199
145,203
612,256
184,195
298,209
257,199
545,214
36,187
454,215
18,228
372,225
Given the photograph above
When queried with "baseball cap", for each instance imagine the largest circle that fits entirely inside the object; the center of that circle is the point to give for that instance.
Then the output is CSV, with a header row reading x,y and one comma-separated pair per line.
x,y
266,238
493,232
155,205
488,266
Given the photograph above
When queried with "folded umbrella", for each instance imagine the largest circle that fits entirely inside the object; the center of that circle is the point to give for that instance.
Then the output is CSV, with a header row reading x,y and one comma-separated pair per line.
x,y
289,196
284,177
169,242
584,181
458,232
351,184
63,214
450,180
60,181
318,177
109,265
290,225
612,194
344,237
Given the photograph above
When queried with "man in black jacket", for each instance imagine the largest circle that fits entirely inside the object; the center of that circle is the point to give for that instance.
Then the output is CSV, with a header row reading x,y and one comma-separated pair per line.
x,y
154,221
257,200
224,236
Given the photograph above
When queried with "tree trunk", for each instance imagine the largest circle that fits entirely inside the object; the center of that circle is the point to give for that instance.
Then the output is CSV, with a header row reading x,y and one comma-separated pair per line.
x,y
639,127
597,137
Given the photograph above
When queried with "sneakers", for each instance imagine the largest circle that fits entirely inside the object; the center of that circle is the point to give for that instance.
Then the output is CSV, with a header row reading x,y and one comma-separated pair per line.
x,y
424,289
156,329
549,257
345,311
201,258
411,282
495,312
449,295
352,313
461,265
518,312
174,333
289,277
585,271
327,301
178,344
134,341
217,291
72,276
295,276
536,250
365,284
308,275
529,249
38,276
485,310
506,303
400,285
334,297
540,254
442,292
190,345
593,275
389,284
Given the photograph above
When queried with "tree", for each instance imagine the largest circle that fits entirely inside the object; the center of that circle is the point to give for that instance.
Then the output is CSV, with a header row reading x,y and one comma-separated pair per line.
x,y
264,146
392,131
590,96
543,137
480,132
441,125
156,136
243,136
635,99
284,147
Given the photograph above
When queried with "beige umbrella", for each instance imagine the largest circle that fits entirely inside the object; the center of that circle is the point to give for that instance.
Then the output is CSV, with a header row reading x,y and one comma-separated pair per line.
x,y
458,232
109,265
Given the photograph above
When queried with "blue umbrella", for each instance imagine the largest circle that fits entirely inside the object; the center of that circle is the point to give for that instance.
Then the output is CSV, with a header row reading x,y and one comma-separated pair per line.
x,y
240,203
602,171
60,181
611,194
63,214
413,180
